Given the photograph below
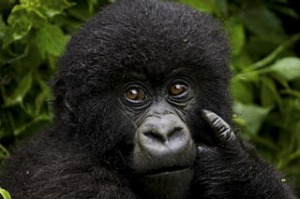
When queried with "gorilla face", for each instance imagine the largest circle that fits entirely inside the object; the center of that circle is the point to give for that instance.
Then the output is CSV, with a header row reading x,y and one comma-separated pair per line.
x,y
164,150
163,141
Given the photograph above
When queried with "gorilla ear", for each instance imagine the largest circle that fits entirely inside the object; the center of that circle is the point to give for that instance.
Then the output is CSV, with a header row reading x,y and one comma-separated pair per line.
x,y
60,101
59,88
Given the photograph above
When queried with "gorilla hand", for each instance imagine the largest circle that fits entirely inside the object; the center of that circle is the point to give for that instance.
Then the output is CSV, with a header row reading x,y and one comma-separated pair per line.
x,y
222,132
230,168
223,137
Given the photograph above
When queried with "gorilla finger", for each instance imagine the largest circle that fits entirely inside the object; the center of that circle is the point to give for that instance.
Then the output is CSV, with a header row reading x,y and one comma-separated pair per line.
x,y
202,149
222,131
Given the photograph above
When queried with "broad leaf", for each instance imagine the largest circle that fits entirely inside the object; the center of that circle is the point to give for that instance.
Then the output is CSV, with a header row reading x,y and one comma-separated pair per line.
x,y
253,116
236,35
261,21
4,194
242,91
50,39
288,67
19,26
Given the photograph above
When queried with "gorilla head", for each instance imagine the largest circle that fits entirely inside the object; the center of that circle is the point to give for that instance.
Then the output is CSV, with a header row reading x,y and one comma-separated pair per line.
x,y
131,82
143,111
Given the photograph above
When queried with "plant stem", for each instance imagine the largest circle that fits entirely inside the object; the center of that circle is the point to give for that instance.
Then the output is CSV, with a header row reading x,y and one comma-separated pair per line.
x,y
273,55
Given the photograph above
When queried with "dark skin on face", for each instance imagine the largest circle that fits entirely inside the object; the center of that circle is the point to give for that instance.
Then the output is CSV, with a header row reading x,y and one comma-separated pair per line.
x,y
164,151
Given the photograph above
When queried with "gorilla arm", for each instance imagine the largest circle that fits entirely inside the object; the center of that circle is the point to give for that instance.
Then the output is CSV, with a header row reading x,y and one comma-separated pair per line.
x,y
232,169
47,167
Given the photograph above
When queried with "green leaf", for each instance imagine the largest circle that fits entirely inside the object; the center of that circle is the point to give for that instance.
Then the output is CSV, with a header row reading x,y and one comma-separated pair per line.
x,y
288,67
92,4
6,125
29,2
292,93
32,126
252,115
248,76
40,100
241,61
258,47
289,11
49,8
222,6
203,5
4,194
268,93
241,91
55,7
50,39
262,22
280,79
2,28
4,153
19,26
18,95
236,35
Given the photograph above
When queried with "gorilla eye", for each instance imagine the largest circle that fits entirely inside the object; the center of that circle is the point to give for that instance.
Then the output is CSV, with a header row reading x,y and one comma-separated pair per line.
x,y
135,95
177,89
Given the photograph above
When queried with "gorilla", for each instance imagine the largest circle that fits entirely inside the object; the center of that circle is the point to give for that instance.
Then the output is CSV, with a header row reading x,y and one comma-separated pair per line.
x,y
142,110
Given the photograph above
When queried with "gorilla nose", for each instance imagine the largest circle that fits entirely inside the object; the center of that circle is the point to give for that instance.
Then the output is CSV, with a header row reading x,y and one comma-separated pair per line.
x,y
163,136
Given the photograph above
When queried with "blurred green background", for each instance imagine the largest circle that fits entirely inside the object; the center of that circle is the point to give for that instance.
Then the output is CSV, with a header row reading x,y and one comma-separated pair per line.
x,y
265,40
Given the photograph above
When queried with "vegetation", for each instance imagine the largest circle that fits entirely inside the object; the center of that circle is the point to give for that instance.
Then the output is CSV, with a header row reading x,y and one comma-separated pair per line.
x,y
4,194
265,40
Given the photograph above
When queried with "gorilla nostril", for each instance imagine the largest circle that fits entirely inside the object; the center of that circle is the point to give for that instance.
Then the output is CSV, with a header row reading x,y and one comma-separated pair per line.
x,y
175,133
156,136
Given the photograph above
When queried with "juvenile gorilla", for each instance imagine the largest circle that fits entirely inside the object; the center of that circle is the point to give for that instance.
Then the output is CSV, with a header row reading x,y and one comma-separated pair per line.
x,y
142,110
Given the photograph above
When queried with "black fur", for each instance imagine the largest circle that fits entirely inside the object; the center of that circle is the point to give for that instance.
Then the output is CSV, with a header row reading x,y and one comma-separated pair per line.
x,y
87,154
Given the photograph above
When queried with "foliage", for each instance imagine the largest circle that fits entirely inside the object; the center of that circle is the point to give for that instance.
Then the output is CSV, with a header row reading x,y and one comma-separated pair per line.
x,y
266,69
4,194
33,34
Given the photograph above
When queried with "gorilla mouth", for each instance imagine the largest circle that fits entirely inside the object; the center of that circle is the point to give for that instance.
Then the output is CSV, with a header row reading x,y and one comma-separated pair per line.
x,y
167,171
168,182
